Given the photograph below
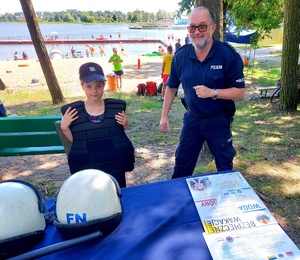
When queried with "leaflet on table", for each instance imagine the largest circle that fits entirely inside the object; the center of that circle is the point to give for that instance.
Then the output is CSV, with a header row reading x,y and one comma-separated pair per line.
x,y
226,202
267,242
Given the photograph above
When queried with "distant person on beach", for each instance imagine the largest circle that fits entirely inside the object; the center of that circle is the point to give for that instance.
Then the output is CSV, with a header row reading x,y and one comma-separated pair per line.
x,y
102,53
187,39
116,60
165,70
87,51
92,50
161,50
24,55
211,75
16,57
122,53
73,52
96,128
177,45
2,108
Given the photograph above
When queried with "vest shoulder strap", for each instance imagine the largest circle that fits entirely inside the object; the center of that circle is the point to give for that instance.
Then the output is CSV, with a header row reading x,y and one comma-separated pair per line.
x,y
115,103
78,105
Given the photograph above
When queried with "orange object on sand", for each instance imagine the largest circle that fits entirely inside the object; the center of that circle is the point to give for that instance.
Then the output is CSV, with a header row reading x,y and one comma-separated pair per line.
x,y
246,62
112,83
23,65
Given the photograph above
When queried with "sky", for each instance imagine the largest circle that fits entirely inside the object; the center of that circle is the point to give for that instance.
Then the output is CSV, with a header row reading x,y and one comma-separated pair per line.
x,y
151,6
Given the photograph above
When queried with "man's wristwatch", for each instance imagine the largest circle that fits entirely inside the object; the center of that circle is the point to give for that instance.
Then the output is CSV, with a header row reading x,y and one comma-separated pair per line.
x,y
215,95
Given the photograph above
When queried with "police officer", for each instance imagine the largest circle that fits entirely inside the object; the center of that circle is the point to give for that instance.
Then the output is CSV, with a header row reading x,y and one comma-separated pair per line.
x,y
211,73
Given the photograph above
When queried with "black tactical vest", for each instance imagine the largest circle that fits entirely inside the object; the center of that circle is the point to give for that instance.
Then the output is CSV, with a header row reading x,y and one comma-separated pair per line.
x,y
103,146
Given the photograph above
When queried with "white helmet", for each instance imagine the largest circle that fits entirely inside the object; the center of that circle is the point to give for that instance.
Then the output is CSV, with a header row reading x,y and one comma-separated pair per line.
x,y
22,216
88,201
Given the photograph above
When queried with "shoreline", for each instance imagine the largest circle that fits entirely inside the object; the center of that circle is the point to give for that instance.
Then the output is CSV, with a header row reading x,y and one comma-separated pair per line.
x,y
82,41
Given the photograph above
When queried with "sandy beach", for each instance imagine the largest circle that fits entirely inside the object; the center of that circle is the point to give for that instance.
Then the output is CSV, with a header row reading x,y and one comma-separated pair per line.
x,y
19,74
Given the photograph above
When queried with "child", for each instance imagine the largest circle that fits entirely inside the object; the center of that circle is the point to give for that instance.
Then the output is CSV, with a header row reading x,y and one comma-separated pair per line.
x,y
96,128
165,70
117,60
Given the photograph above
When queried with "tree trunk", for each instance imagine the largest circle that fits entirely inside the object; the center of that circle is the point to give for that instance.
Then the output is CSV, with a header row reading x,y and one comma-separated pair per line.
x,y
217,7
41,51
290,54
298,75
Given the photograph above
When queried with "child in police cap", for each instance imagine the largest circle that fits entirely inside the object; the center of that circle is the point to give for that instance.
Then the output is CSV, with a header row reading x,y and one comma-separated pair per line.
x,y
96,128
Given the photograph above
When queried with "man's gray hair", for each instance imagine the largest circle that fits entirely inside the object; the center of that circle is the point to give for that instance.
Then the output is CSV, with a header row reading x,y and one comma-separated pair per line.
x,y
212,15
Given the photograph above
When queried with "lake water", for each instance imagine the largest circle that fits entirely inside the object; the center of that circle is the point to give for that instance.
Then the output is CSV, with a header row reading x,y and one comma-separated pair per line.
x,y
85,31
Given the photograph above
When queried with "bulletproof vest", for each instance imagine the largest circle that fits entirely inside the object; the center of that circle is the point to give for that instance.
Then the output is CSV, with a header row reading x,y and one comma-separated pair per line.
x,y
103,146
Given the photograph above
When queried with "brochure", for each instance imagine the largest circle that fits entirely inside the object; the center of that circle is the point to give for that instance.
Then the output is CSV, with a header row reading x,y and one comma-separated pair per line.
x,y
226,202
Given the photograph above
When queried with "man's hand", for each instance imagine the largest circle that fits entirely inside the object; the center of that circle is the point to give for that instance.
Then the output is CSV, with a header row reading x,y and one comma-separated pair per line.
x,y
164,125
203,91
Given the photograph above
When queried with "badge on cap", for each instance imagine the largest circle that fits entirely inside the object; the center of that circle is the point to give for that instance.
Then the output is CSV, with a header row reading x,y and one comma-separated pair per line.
x,y
92,69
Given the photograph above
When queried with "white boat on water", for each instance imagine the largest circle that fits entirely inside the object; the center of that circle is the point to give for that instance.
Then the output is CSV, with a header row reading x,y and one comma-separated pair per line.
x,y
135,26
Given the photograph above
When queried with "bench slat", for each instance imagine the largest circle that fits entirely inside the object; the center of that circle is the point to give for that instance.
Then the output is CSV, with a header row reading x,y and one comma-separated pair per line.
x,y
268,88
28,124
31,150
264,90
29,139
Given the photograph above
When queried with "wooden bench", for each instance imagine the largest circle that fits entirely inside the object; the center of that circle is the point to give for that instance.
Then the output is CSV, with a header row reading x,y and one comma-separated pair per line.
x,y
264,90
32,135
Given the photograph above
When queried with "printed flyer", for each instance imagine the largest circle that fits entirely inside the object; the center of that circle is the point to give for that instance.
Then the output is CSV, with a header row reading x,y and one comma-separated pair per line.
x,y
226,202
262,243
237,224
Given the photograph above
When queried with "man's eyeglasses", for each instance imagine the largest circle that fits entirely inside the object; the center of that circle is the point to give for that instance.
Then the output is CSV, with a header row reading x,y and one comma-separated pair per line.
x,y
201,28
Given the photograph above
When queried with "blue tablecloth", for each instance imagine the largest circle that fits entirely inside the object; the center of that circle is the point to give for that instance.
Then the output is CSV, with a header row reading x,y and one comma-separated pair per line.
x,y
160,221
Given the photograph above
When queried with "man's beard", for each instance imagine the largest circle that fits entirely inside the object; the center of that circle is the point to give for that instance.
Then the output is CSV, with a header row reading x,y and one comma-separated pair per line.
x,y
206,40
200,45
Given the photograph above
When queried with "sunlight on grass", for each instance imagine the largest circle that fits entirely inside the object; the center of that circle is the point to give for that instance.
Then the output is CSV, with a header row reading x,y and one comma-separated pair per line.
x,y
276,53
265,73
271,140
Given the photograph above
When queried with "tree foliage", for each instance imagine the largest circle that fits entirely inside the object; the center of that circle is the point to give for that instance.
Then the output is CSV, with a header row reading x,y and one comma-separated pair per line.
x,y
259,15
93,17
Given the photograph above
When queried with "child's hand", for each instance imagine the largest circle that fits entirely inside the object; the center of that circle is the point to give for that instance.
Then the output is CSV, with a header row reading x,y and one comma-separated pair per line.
x,y
69,116
122,119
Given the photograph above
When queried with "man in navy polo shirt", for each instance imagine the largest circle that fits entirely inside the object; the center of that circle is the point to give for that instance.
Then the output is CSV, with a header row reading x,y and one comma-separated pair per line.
x,y
211,73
